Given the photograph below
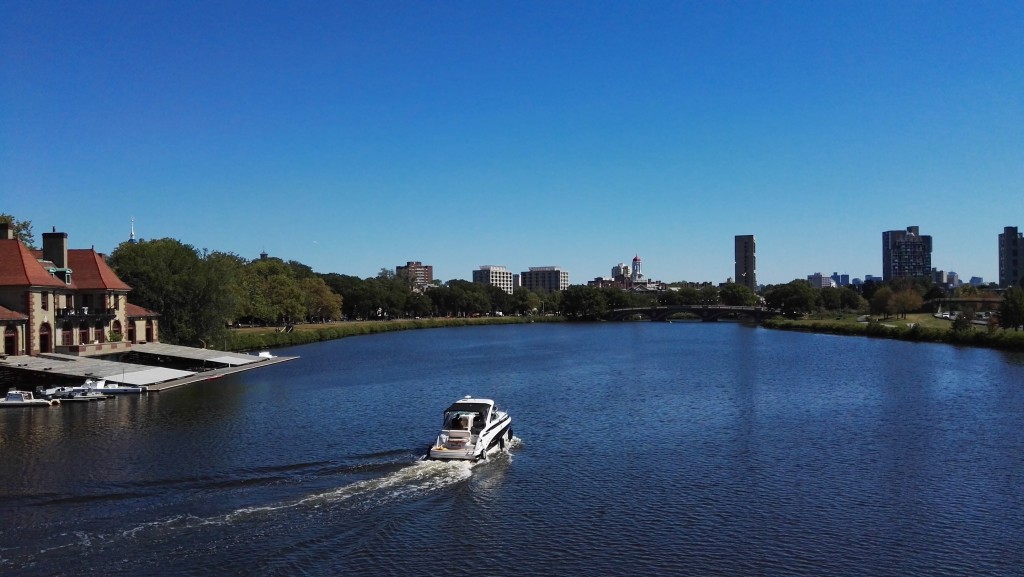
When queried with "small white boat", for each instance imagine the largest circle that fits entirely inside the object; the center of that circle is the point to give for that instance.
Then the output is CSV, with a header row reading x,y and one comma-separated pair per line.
x,y
472,429
100,386
25,399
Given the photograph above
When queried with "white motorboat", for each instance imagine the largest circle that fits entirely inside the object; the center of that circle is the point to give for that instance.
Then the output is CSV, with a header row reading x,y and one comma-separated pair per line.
x,y
101,386
472,429
25,399
70,394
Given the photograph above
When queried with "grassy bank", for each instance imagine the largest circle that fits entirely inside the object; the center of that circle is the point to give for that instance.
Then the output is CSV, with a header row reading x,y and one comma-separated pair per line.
x,y
249,339
918,328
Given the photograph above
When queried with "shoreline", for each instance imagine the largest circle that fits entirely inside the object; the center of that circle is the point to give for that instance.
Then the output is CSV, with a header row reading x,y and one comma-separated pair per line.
x,y
249,339
1001,339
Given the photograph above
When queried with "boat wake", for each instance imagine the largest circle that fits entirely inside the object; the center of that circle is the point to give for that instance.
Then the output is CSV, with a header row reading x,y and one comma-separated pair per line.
x,y
407,483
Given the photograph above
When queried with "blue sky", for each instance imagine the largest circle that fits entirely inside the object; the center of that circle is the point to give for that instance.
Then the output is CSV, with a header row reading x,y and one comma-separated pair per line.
x,y
355,136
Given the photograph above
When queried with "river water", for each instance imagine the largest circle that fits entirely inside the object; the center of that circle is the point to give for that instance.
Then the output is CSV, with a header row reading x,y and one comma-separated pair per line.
x,y
641,449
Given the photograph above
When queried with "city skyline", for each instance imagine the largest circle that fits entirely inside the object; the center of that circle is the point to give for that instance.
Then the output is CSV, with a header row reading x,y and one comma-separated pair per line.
x,y
354,136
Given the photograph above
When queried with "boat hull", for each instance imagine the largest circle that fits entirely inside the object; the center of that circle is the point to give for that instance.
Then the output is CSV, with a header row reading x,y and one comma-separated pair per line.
x,y
498,437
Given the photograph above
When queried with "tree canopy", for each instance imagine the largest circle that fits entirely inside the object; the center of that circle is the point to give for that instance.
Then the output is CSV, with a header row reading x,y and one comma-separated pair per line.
x,y
192,291
22,229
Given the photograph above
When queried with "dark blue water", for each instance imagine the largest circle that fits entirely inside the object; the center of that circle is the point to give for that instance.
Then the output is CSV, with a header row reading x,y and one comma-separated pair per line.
x,y
643,449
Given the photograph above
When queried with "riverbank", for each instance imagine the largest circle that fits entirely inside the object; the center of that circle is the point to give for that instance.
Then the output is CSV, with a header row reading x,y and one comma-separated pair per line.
x,y
249,339
916,328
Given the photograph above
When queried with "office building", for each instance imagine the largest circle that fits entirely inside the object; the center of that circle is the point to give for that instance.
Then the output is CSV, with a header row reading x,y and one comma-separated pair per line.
x,y
819,280
906,253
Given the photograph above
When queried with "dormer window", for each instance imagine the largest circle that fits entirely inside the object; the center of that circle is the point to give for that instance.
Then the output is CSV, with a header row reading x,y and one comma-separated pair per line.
x,y
67,277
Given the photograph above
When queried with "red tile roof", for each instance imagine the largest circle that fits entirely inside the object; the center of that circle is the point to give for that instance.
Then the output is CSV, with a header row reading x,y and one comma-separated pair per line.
x,y
135,311
90,272
19,267
9,315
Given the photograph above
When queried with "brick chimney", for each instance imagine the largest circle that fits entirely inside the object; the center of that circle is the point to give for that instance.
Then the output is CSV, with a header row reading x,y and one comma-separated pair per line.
x,y
55,248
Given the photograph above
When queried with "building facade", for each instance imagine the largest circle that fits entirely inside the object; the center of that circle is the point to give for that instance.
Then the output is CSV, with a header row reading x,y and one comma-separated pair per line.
x,y
493,275
820,280
1011,257
746,261
64,300
906,253
420,275
545,279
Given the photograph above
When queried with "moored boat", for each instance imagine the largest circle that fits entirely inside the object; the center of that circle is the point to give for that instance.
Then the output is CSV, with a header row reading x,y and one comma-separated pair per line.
x,y
101,386
472,428
70,394
25,399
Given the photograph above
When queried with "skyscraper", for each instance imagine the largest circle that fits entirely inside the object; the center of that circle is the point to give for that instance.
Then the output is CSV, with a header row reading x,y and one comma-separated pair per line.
x,y
746,261
1011,257
906,253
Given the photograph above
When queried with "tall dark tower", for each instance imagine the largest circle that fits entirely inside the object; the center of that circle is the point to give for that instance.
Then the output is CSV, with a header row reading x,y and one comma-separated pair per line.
x,y
1011,257
746,261
906,253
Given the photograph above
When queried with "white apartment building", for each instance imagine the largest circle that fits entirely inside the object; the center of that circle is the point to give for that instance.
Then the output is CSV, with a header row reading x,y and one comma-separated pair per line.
x,y
498,276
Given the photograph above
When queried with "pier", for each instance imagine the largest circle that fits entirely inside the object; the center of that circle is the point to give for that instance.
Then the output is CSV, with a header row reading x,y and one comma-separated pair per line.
x,y
154,366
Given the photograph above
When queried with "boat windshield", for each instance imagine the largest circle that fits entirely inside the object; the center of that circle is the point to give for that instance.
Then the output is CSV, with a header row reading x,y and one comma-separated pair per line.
x,y
466,415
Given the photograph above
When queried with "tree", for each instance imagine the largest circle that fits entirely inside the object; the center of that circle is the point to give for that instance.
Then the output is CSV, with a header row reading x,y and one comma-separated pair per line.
x,y
22,229
851,300
321,302
583,302
194,293
273,295
794,298
1011,311
708,295
906,300
737,295
525,301
882,302
963,321
831,298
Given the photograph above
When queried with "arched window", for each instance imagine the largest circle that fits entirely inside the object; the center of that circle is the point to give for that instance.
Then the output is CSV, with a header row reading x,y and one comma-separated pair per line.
x,y
131,331
115,329
149,330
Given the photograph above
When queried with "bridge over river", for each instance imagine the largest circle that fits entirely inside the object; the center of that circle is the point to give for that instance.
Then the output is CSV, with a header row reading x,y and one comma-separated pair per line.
x,y
707,313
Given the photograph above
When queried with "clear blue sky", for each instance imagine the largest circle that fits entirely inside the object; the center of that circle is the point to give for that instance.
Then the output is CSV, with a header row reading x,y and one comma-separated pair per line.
x,y
355,136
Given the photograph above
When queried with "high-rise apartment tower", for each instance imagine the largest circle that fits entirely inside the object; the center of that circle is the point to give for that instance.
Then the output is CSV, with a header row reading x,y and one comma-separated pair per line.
x,y
746,261
1011,257
906,253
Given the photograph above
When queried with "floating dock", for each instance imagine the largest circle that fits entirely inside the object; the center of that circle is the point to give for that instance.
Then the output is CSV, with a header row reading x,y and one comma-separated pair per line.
x,y
214,364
